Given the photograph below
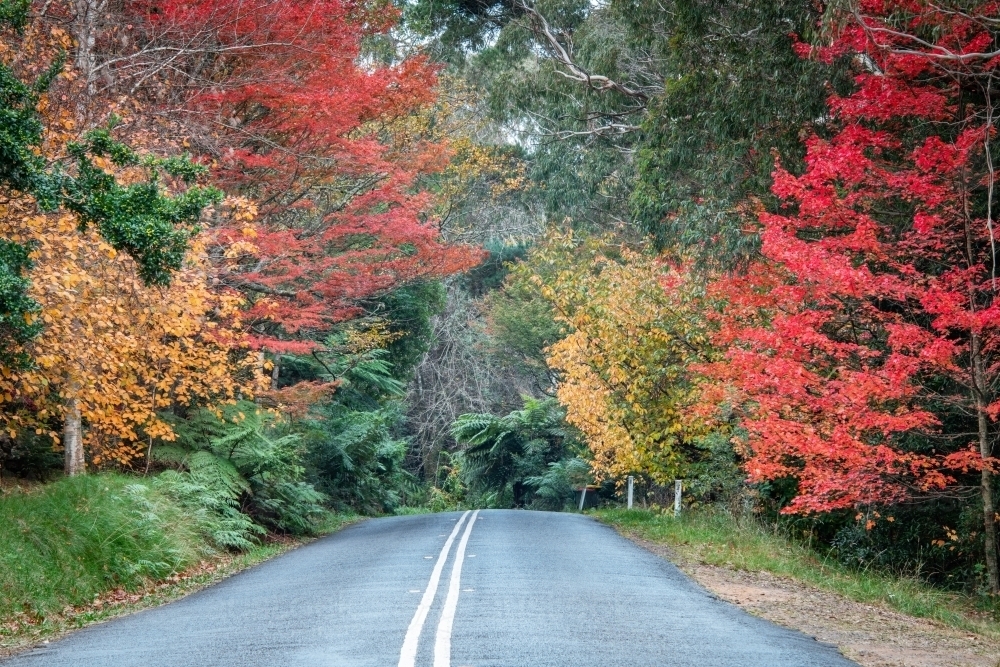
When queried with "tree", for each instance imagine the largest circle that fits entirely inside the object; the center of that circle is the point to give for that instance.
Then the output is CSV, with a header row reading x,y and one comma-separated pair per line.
x,y
96,222
322,144
655,116
115,353
142,218
863,349
501,454
736,91
633,329
459,374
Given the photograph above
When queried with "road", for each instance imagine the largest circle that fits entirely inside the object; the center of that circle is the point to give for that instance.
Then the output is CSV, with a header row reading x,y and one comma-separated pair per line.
x,y
493,588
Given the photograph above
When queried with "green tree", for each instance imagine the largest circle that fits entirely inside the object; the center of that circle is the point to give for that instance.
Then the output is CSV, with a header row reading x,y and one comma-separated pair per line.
x,y
659,117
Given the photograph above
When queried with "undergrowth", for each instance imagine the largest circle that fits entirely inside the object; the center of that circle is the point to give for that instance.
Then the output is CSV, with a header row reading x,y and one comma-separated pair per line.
x,y
717,538
71,540
65,544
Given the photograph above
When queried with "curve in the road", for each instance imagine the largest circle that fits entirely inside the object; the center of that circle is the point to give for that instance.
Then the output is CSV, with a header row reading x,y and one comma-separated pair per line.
x,y
526,589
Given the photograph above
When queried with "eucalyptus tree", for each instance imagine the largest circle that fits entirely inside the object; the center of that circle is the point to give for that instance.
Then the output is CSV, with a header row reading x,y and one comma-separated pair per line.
x,y
660,117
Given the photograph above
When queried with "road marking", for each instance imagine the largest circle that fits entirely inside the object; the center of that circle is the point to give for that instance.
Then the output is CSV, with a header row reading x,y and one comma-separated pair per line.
x,y
408,654
442,645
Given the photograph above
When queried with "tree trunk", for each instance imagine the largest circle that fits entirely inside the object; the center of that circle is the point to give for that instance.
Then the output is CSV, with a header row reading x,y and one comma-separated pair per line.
x,y
985,450
73,439
275,372
991,532
86,23
981,401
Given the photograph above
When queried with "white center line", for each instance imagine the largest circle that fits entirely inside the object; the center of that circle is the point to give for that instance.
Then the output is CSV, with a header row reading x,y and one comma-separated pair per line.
x,y
408,654
442,645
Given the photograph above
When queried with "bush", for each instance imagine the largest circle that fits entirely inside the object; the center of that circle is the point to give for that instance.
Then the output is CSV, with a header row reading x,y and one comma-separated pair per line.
x,y
506,461
940,541
212,507
29,456
355,460
556,489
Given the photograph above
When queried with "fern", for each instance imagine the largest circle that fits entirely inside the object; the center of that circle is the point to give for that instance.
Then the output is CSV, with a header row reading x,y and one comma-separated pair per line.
x,y
502,454
356,460
239,463
556,487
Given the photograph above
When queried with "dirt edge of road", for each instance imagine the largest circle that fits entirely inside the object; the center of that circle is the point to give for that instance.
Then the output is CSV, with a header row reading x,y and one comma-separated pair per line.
x,y
871,635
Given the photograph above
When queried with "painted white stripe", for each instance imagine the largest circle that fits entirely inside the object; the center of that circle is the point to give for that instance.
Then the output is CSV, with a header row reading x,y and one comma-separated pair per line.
x,y
442,645
408,655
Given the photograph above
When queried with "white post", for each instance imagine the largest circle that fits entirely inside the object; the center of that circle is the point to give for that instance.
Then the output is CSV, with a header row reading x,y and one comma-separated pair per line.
x,y
630,481
583,496
678,485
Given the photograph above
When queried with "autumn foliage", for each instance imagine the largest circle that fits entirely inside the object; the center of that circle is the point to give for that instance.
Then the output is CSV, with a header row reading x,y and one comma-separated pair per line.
x,y
874,313
852,359
624,361
277,104
292,115
121,351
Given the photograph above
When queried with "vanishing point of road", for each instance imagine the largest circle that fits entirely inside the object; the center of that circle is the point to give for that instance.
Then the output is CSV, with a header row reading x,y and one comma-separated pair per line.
x,y
494,588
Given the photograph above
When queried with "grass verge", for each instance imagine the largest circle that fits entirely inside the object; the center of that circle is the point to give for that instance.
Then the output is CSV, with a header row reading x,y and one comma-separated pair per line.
x,y
87,549
717,538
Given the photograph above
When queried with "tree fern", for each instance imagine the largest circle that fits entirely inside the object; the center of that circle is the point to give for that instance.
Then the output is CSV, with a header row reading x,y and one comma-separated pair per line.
x,y
500,454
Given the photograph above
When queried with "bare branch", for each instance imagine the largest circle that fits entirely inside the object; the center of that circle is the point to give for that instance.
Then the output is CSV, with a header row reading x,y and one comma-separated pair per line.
x,y
564,55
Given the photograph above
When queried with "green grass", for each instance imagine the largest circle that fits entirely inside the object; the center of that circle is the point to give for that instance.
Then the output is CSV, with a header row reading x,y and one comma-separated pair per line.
x,y
413,511
716,538
85,549
67,542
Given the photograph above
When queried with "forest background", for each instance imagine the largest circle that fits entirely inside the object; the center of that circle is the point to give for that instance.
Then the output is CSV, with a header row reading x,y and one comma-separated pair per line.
x,y
263,260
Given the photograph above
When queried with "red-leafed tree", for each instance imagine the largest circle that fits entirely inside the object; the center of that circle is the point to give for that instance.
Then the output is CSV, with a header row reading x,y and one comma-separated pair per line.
x,y
325,138
873,320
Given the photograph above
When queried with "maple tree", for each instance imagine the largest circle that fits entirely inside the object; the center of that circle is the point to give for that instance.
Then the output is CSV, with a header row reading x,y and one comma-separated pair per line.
x,y
322,144
873,319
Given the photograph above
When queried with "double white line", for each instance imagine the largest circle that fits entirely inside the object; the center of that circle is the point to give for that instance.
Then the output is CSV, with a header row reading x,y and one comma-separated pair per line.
x,y
442,645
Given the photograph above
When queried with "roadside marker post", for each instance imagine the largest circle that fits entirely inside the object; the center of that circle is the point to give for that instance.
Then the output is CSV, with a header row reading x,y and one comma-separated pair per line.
x,y
630,481
678,486
583,497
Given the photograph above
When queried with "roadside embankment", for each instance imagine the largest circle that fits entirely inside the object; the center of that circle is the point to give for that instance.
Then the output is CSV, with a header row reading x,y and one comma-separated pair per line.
x,y
875,619
84,549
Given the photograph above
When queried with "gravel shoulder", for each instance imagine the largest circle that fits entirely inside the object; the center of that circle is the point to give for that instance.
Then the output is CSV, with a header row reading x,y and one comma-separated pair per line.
x,y
871,635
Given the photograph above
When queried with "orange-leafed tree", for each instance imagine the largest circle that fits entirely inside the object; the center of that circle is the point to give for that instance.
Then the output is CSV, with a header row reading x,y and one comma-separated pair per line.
x,y
97,231
114,352
633,328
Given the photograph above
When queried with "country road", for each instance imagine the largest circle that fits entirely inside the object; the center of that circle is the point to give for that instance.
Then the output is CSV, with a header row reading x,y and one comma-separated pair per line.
x,y
462,589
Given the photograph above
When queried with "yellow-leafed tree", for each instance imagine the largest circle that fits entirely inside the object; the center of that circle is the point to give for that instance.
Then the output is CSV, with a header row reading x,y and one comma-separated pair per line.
x,y
635,327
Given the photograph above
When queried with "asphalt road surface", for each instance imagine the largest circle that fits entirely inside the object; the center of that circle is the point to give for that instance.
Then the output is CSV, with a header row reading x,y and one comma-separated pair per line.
x,y
462,589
